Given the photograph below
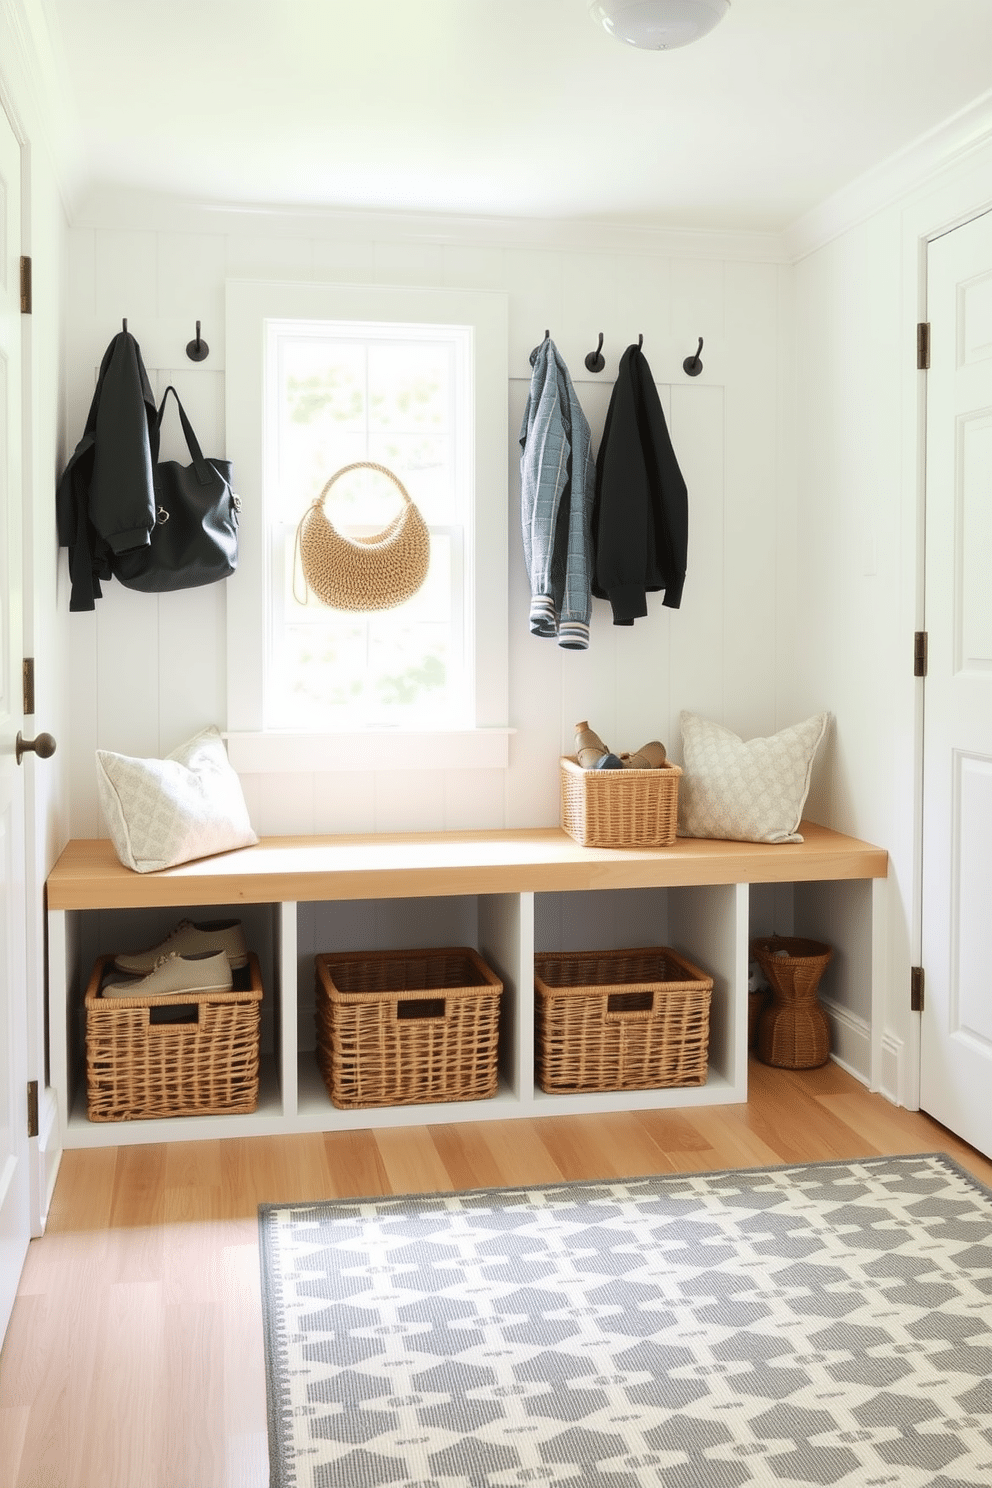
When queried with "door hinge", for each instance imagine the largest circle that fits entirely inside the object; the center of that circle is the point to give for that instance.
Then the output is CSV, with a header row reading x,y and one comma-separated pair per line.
x,y
923,346
27,685
25,285
916,989
32,1108
920,657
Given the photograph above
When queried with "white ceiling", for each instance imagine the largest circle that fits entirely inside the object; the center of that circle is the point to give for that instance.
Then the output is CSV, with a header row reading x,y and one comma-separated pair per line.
x,y
521,108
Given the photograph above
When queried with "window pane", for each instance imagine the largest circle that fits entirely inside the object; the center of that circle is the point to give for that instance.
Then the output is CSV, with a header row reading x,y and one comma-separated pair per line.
x,y
322,389
425,466
408,386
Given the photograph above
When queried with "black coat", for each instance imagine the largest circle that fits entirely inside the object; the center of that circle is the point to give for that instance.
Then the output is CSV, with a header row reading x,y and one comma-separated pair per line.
x,y
640,520
105,502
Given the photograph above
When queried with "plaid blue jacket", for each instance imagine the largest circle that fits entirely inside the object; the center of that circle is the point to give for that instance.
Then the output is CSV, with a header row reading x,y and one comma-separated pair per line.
x,y
557,487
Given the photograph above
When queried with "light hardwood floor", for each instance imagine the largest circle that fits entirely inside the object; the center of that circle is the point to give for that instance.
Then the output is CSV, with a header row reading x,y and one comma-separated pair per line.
x,y
134,1355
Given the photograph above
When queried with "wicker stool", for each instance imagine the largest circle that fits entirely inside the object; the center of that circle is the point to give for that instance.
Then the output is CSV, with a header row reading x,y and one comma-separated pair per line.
x,y
793,1032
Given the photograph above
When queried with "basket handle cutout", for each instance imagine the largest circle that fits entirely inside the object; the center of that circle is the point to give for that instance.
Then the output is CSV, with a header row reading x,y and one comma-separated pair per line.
x,y
421,1007
618,1003
165,1017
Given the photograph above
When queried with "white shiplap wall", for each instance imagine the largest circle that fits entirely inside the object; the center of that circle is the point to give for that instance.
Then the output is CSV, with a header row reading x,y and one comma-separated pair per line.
x,y
145,672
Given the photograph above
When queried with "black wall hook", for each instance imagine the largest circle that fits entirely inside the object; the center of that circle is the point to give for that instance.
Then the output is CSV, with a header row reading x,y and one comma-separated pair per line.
x,y
640,341
533,356
693,365
595,361
124,326
197,350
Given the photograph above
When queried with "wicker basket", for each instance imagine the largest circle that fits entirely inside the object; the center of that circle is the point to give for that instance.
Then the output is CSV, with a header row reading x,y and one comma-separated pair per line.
x,y
620,1020
793,1032
619,808
755,1007
399,1028
191,1054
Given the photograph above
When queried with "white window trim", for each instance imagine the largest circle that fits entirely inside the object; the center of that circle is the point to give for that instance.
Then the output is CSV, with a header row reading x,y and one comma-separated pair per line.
x,y
252,748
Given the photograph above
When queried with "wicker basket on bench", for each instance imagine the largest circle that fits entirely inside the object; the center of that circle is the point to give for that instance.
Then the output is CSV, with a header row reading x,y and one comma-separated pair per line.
x,y
619,808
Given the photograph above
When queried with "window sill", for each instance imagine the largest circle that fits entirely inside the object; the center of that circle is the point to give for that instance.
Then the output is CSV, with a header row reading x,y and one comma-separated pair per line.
x,y
313,754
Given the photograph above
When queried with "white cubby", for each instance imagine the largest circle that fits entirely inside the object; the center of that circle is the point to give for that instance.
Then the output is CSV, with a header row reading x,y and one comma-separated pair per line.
x,y
567,900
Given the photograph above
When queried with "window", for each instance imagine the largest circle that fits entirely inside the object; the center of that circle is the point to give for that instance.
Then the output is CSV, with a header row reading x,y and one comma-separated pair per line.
x,y
347,393
323,377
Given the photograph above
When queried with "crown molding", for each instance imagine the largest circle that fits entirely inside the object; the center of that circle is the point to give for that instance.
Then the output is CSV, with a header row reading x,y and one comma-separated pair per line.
x,y
902,175
112,206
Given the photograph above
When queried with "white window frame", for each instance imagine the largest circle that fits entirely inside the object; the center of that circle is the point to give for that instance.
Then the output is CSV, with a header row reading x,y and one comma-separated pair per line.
x,y
252,746
454,702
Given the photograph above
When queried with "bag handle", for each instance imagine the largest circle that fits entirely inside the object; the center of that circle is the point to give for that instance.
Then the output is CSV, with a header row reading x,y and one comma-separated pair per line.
x,y
204,472
365,465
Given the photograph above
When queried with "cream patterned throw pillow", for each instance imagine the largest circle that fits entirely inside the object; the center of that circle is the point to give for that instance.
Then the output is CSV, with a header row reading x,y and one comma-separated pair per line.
x,y
163,812
752,792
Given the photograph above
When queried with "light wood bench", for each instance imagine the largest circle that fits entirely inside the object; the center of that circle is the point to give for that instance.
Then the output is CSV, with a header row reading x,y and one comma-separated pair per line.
x,y
509,892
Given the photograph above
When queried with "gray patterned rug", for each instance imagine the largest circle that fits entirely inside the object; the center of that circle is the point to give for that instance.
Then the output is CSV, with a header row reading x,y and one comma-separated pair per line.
x,y
826,1323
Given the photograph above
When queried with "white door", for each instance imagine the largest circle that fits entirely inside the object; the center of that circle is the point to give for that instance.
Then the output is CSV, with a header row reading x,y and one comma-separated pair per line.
x,y
956,1032
14,1178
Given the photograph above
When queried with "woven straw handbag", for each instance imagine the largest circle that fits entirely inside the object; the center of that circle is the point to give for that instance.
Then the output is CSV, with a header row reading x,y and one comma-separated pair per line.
x,y
377,572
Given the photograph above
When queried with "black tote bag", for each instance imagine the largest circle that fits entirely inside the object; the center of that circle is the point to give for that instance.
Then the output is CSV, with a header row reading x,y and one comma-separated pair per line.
x,y
195,537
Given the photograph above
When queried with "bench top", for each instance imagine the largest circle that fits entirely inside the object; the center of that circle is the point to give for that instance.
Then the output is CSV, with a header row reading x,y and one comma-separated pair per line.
x,y
88,875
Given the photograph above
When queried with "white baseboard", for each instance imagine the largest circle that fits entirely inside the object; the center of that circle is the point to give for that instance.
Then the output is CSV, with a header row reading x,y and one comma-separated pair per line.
x,y
850,1040
892,1075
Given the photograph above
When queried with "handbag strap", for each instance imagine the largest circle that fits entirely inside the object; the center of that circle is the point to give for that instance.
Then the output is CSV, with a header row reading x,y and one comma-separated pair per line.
x,y
365,465
204,472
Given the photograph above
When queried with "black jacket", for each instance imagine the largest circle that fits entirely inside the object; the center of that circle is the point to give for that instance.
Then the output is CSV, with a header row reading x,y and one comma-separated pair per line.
x,y
640,521
105,502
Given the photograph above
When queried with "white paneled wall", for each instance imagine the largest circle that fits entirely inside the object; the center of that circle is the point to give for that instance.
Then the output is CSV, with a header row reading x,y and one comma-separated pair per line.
x,y
146,672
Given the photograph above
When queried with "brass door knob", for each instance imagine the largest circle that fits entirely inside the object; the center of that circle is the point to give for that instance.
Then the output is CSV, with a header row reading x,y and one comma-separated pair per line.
x,y
43,746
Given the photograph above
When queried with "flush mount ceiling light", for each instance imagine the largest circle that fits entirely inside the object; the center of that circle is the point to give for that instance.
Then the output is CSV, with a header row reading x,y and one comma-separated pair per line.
x,y
659,25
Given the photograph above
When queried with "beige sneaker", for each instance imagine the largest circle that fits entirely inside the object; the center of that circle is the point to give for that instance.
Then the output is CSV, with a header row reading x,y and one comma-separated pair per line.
x,y
650,757
188,939
200,972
